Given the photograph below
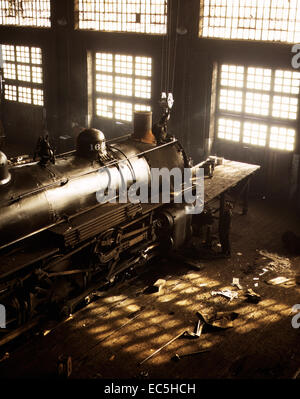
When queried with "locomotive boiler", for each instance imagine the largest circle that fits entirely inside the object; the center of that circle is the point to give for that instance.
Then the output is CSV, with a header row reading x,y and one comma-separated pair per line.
x,y
58,242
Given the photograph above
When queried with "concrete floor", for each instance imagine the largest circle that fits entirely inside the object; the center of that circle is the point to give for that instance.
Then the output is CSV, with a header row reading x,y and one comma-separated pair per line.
x,y
109,337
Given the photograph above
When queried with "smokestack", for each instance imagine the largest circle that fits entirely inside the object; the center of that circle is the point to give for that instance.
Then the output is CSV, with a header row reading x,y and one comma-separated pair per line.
x,y
142,127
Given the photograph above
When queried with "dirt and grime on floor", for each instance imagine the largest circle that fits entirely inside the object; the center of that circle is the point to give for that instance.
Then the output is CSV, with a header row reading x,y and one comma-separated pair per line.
x,y
248,332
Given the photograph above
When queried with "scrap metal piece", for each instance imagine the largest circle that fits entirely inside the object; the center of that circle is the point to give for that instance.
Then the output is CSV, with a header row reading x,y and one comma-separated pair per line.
x,y
156,287
224,320
281,280
160,283
226,293
178,357
296,375
263,272
221,320
198,330
253,296
162,347
236,283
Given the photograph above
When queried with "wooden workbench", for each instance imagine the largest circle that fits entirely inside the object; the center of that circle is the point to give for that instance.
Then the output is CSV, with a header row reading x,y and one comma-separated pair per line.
x,y
227,176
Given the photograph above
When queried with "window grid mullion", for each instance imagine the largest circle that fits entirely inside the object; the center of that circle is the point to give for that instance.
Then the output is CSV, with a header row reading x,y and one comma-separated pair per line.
x,y
114,97
271,26
243,113
267,120
271,107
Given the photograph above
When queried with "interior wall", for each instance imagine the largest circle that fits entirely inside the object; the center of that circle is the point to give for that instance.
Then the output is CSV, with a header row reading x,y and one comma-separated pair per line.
x,y
67,88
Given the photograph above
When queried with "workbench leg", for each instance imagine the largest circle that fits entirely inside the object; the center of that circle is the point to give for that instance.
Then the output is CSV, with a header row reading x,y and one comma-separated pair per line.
x,y
246,197
221,209
224,225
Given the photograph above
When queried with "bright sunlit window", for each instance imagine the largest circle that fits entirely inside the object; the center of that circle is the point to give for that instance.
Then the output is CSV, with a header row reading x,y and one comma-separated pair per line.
x,y
122,85
25,13
23,74
258,106
139,16
264,20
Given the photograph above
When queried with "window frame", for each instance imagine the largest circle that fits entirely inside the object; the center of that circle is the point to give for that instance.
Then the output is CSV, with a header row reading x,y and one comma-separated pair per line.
x,y
244,117
166,16
47,20
270,20
118,97
19,84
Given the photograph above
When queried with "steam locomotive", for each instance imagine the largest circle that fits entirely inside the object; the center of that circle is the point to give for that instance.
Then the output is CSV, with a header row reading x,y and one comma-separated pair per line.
x,y
57,241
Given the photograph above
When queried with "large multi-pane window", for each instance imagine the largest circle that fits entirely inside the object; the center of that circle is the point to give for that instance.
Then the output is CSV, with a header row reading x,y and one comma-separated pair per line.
x,y
258,106
25,13
23,74
139,16
266,20
122,85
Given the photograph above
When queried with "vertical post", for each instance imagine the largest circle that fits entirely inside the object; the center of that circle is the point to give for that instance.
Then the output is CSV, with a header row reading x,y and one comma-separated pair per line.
x,y
62,22
221,209
224,225
246,196
2,135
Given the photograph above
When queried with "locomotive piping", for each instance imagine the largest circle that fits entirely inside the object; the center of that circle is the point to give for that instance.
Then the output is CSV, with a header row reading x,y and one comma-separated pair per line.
x,y
65,181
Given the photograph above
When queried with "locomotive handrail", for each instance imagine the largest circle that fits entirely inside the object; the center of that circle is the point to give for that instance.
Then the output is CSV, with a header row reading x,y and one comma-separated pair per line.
x,y
63,154
64,181
105,141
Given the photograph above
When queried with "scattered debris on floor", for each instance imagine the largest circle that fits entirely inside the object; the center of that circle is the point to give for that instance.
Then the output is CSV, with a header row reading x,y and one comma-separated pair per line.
x,y
156,287
221,320
160,283
264,271
278,264
226,293
281,280
162,347
4,357
178,357
236,283
144,374
296,375
198,330
252,296
133,315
